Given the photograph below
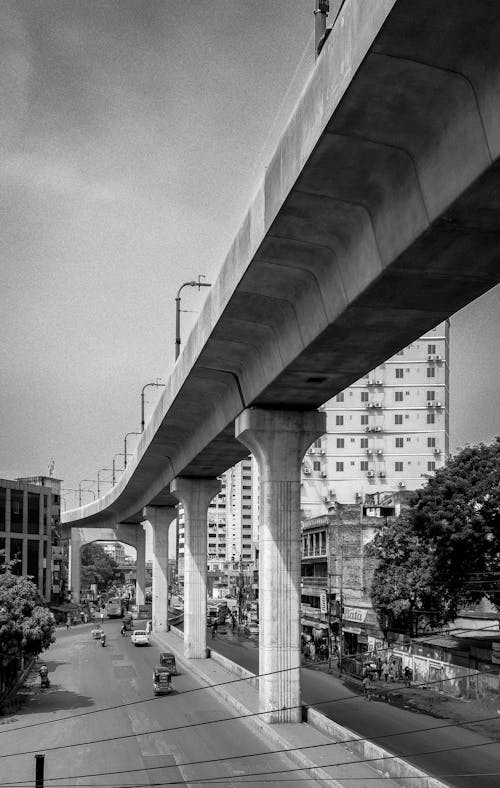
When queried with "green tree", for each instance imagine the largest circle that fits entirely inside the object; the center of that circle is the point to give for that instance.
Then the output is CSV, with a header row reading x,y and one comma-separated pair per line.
x,y
97,567
444,552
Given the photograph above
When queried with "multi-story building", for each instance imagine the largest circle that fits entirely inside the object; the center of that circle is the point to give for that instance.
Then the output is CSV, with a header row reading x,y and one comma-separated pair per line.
x,y
337,574
232,522
29,517
387,431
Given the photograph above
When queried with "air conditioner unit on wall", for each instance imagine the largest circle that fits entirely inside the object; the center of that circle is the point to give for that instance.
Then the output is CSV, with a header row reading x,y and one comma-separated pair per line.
x,y
307,471
437,358
369,451
370,474
379,382
430,403
323,474
381,474
371,382
431,357
401,484
379,451
437,451
437,405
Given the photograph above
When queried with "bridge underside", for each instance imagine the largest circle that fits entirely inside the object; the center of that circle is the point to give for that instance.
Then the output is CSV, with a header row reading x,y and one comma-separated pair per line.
x,y
377,219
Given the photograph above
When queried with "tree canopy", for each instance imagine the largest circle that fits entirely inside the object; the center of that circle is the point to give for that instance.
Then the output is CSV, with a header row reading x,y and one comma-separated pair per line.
x,y
26,624
443,553
97,567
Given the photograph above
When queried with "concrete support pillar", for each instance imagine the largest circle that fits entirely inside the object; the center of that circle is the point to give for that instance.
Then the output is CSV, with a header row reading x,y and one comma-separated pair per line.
x,y
160,518
278,441
195,496
74,565
140,580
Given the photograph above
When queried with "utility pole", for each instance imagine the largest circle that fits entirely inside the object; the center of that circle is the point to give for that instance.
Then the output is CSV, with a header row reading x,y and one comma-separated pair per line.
x,y
39,769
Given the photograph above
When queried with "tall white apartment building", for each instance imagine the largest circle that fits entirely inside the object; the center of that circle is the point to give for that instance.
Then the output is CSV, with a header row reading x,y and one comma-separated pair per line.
x,y
232,520
387,431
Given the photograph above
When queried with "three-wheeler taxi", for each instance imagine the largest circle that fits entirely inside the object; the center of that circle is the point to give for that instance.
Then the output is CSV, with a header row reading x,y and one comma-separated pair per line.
x,y
162,681
167,660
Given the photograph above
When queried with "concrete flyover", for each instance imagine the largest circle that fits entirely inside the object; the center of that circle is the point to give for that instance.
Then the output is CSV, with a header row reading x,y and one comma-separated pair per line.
x,y
377,218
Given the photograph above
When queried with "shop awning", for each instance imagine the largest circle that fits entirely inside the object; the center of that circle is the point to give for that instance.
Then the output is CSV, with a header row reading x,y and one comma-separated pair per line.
x,y
308,622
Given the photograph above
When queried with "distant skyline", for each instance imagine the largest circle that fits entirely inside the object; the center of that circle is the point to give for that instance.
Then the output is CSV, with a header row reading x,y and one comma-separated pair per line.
x,y
133,137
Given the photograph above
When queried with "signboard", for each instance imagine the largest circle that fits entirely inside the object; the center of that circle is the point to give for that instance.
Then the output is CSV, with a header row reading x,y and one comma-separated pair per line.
x,y
357,614
323,604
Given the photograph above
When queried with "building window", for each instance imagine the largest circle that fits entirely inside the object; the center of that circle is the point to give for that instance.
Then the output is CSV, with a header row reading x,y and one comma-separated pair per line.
x,y
431,419
431,372
339,420
398,396
399,372
364,396
431,349
364,419
317,444
363,443
431,395
398,467
316,465
431,466
339,466
398,418
340,443
363,465
431,443
399,442
340,397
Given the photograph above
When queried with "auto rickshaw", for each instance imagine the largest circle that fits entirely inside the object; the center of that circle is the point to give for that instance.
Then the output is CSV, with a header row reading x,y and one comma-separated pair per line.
x,y
162,681
127,622
167,660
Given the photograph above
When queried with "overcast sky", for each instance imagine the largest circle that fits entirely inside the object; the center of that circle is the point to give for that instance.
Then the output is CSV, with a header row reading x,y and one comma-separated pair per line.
x,y
133,134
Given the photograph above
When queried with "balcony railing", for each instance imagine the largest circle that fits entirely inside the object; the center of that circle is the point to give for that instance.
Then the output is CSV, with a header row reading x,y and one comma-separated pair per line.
x,y
314,551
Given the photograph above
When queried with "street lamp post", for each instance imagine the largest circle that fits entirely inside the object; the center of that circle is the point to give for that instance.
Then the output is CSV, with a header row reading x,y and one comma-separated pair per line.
x,y
125,444
120,454
109,470
142,403
192,283
92,481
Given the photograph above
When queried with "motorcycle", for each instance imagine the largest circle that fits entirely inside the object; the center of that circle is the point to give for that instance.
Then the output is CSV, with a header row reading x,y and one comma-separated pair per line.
x,y
44,676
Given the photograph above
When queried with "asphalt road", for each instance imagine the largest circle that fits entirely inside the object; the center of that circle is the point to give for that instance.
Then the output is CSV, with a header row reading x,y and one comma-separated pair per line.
x,y
140,740
456,755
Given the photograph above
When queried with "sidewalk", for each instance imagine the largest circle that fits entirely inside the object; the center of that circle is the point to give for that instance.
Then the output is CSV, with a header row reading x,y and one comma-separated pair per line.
x,y
422,699
313,748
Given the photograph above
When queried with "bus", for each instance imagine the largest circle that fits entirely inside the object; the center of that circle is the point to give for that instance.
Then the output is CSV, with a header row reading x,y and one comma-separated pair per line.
x,y
114,607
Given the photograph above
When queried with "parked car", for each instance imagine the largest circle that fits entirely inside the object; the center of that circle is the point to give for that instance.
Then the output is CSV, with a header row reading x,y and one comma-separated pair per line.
x,y
140,637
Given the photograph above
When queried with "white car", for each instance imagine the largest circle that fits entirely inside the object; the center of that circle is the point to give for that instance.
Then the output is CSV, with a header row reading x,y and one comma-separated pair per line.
x,y
140,637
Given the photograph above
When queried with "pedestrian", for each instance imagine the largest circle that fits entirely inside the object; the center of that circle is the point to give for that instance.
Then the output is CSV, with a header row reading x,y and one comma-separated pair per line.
x,y
392,671
312,651
68,621
407,675
379,668
385,670
367,687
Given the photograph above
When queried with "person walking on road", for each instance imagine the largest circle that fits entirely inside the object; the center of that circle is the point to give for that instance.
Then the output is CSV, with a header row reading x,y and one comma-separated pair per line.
x,y
385,670
214,630
367,684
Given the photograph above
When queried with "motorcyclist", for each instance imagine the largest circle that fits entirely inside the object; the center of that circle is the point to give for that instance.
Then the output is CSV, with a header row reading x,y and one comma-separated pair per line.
x,y
103,639
122,630
44,676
